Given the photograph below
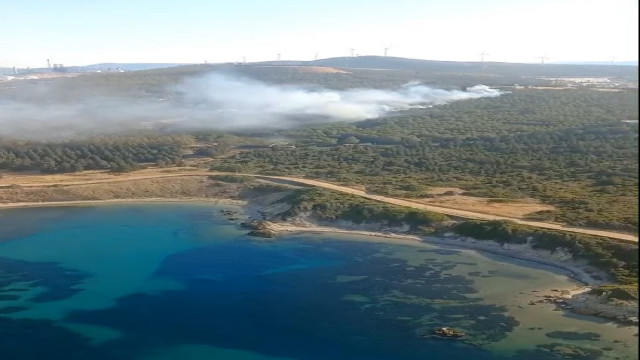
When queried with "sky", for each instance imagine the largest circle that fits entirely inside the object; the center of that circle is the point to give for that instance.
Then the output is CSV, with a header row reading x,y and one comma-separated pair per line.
x,y
83,32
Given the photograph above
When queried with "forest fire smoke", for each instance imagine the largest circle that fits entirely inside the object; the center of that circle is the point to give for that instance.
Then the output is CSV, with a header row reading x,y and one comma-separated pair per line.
x,y
214,101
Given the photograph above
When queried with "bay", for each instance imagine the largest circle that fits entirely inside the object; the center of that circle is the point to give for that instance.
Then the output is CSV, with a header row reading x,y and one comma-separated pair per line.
x,y
179,281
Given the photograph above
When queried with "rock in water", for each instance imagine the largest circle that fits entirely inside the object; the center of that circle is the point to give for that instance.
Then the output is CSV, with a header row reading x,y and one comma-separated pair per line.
x,y
448,332
265,233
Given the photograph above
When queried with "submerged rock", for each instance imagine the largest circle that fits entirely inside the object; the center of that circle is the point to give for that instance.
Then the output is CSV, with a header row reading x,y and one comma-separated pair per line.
x,y
447,332
256,224
265,233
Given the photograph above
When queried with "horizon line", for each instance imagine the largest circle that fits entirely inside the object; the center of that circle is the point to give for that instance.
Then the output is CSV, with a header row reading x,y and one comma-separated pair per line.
x,y
562,62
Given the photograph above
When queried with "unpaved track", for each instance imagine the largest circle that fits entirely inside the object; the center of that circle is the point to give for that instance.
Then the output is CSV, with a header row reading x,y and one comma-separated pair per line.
x,y
452,212
348,190
119,178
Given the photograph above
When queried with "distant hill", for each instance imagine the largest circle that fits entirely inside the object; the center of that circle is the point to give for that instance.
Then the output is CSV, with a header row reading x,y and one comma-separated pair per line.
x,y
616,63
124,66
457,67
155,80
624,70
96,67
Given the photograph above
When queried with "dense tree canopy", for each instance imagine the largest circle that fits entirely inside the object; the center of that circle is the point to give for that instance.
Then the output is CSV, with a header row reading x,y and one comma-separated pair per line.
x,y
569,148
116,154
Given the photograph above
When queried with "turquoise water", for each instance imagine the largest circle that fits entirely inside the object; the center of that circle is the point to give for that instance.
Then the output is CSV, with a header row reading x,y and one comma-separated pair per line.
x,y
179,282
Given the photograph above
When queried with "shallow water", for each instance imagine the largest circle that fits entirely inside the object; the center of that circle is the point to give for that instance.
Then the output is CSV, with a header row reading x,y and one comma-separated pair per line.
x,y
178,281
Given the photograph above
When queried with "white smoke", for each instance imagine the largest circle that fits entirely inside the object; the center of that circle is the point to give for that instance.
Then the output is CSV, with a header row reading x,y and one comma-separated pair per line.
x,y
254,97
216,101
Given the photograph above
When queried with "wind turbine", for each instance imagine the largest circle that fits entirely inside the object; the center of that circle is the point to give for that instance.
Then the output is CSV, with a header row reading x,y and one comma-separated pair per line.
x,y
279,57
482,55
386,50
316,57
542,59
351,52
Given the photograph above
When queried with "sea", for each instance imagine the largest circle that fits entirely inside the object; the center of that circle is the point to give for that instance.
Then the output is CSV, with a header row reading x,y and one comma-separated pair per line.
x,y
182,281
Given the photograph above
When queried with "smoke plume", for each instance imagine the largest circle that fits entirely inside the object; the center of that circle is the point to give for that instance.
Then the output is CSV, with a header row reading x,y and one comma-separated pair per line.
x,y
215,101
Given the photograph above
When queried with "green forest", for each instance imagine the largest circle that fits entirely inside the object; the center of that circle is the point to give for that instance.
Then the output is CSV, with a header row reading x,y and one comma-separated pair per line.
x,y
328,205
573,148
568,148
118,154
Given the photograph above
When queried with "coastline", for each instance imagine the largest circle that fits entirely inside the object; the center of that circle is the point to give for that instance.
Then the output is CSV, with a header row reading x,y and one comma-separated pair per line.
x,y
579,272
188,181
582,274
511,299
575,299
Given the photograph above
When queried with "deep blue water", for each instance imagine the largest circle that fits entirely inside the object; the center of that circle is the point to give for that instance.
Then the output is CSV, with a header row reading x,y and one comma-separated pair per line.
x,y
178,281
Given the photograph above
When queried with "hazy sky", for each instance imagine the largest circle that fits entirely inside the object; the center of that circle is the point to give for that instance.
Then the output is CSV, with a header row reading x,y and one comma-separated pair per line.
x,y
81,32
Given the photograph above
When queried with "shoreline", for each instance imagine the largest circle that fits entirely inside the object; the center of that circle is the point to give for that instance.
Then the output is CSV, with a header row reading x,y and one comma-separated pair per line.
x,y
581,273
576,272
575,299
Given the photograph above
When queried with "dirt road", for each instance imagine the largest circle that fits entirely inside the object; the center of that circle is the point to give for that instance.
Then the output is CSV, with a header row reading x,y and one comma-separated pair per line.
x,y
68,180
453,212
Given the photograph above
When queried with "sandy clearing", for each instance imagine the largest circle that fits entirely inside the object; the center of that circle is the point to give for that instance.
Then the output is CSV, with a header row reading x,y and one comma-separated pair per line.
x,y
515,208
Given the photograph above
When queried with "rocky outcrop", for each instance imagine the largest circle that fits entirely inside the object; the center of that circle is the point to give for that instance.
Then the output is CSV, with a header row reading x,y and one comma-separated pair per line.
x,y
263,233
231,215
619,310
446,332
586,302
449,332
260,228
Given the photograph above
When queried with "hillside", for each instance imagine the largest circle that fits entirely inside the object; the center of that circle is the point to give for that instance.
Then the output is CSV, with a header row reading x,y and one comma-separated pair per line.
x,y
159,80
626,71
95,67
572,149
470,68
